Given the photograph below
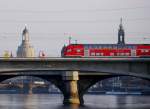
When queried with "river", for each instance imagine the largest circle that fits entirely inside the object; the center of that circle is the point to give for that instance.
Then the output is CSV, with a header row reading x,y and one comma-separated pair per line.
x,y
54,101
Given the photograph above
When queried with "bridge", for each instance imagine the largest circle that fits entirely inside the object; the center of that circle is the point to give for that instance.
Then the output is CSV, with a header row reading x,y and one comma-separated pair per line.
x,y
74,76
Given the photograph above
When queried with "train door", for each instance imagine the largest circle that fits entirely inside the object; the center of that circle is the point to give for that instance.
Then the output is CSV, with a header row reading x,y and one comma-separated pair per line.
x,y
86,52
133,52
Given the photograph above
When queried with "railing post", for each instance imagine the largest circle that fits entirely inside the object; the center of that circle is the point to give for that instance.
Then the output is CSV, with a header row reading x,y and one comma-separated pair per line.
x,y
71,95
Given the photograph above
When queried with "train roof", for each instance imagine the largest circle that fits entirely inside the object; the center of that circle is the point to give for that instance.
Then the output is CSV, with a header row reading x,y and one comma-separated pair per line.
x,y
111,45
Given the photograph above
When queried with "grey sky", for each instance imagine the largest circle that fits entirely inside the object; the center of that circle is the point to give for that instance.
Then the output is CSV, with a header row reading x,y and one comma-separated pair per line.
x,y
50,22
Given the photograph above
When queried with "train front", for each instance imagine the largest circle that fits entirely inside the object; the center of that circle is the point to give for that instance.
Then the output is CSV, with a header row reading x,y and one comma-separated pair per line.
x,y
73,50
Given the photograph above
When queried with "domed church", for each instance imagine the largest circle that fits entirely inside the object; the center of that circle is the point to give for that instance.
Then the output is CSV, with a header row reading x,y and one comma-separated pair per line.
x,y
25,49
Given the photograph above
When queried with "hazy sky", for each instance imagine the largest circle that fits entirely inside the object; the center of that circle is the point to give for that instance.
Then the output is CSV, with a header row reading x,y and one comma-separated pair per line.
x,y
50,22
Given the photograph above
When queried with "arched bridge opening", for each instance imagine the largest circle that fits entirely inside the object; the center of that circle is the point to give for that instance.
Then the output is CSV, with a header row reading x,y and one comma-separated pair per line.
x,y
28,84
89,79
120,84
114,84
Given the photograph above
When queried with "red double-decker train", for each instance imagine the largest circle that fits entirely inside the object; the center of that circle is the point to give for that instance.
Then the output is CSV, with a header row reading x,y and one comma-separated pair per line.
x,y
107,50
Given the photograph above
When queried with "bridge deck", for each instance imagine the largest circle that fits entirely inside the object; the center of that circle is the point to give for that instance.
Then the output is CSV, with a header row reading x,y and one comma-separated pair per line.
x,y
78,59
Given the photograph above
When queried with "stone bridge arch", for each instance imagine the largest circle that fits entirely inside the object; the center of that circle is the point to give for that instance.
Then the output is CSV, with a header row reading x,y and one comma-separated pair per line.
x,y
61,79
20,81
52,79
111,77
89,78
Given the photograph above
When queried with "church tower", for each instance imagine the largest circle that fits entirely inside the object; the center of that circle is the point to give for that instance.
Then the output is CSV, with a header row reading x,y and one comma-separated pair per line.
x,y
121,34
25,49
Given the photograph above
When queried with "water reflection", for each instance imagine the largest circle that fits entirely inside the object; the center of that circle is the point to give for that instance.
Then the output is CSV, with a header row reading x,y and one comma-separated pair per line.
x,y
16,101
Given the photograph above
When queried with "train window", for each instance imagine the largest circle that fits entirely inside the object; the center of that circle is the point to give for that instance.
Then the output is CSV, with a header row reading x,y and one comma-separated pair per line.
x,y
92,54
97,54
127,54
146,50
122,54
69,50
78,50
111,54
101,54
142,50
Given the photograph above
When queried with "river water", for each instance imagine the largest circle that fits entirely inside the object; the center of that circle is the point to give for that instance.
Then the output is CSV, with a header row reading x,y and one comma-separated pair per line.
x,y
47,101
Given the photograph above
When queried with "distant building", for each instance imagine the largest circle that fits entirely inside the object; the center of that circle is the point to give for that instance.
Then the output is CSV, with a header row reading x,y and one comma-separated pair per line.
x,y
25,49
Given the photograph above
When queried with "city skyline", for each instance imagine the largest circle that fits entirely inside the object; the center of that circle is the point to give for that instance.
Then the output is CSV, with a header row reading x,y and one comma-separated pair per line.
x,y
50,23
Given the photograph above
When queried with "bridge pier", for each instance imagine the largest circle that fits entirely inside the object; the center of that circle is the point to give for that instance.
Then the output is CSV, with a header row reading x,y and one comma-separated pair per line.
x,y
71,95
30,88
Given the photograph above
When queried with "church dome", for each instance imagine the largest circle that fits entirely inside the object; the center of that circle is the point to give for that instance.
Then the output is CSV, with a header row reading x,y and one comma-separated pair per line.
x,y
25,49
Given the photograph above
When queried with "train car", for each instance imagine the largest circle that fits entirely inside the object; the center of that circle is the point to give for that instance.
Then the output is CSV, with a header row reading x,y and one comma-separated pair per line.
x,y
107,50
